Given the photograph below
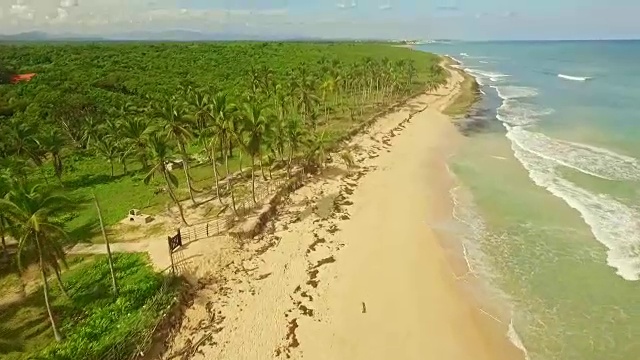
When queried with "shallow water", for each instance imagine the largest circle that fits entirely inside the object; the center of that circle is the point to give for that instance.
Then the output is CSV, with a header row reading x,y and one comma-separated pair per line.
x,y
554,193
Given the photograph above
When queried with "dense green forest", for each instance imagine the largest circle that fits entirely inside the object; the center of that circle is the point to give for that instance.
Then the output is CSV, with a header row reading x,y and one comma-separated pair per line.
x,y
85,117
105,119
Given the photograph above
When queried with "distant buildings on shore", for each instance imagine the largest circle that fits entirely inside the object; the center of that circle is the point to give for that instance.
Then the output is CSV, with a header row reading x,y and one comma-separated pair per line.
x,y
420,42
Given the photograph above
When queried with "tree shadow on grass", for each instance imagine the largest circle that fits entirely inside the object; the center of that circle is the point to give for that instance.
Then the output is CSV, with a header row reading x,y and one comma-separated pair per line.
x,y
85,232
90,180
22,322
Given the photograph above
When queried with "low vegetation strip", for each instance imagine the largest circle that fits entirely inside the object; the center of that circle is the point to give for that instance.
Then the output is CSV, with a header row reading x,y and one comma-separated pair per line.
x,y
468,95
94,324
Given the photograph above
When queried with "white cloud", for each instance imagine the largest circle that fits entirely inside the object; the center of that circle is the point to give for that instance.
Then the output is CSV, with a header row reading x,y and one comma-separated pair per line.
x,y
68,3
62,14
108,16
21,10
352,5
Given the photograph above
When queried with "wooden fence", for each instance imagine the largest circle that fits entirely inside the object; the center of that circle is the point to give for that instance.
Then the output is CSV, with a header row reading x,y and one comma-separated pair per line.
x,y
244,206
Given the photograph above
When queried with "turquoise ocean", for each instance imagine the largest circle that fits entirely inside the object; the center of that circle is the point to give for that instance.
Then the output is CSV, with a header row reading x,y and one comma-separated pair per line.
x,y
549,192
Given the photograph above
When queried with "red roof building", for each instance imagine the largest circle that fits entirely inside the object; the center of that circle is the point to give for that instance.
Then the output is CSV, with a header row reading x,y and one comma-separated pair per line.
x,y
21,77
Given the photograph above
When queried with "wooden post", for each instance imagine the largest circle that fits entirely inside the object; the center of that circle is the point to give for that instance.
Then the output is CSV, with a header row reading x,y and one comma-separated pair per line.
x,y
207,229
173,267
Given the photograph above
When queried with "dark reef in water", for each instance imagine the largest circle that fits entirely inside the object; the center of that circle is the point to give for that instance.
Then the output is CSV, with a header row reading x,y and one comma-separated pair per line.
x,y
479,120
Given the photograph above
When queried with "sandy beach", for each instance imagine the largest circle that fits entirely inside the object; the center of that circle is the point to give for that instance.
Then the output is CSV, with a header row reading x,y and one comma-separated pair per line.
x,y
352,266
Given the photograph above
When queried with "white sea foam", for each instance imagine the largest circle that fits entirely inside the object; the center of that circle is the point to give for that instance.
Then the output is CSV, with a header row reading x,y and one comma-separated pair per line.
x,y
483,62
495,76
613,224
515,92
515,112
588,159
476,260
573,78
515,339
458,61
464,54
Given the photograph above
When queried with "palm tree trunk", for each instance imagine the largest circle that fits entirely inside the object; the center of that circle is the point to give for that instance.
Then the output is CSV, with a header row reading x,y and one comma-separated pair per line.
x,y
111,163
143,157
215,173
229,187
289,162
185,166
60,284
114,283
45,283
173,196
264,177
253,180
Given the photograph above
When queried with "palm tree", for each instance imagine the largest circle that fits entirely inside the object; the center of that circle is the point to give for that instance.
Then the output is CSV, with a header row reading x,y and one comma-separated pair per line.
x,y
255,127
108,148
317,149
136,131
304,91
30,210
411,71
90,133
210,138
22,139
199,103
178,128
432,84
160,149
110,128
254,79
267,81
328,88
52,142
224,123
294,134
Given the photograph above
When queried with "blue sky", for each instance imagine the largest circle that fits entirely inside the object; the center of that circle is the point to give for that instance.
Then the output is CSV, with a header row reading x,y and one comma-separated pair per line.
x,y
459,19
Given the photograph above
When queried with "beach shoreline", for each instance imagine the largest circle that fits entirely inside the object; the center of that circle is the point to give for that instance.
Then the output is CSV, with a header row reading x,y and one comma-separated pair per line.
x,y
353,266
